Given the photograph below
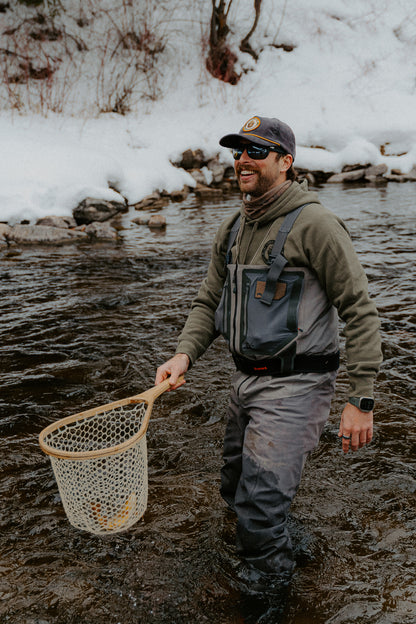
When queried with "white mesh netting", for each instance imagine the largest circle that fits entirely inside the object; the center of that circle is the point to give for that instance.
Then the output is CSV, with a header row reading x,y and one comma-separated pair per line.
x,y
105,494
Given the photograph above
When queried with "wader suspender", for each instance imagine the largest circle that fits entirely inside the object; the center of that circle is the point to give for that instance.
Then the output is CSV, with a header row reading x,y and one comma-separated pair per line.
x,y
278,260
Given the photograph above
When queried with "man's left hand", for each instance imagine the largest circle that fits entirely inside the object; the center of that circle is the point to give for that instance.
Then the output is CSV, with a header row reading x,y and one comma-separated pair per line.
x,y
356,428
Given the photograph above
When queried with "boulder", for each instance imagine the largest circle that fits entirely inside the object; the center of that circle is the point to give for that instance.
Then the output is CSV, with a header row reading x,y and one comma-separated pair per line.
x,y
347,176
59,222
347,168
91,209
376,179
103,231
41,234
376,170
208,193
392,177
157,221
192,159
179,196
141,220
154,200
217,169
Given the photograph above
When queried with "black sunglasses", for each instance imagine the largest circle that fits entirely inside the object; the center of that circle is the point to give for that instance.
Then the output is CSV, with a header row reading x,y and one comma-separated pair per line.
x,y
256,152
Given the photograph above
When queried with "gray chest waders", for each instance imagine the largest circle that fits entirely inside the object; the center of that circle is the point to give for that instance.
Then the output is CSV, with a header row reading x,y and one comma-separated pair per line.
x,y
258,313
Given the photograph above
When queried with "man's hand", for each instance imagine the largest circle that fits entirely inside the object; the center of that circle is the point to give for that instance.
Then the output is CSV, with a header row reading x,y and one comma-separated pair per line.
x,y
176,366
356,428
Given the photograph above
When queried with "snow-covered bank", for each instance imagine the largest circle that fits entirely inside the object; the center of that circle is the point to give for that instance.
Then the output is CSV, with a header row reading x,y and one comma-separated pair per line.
x,y
49,165
347,88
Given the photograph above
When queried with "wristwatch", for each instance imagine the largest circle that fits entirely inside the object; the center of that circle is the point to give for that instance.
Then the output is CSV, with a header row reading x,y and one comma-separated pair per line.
x,y
365,404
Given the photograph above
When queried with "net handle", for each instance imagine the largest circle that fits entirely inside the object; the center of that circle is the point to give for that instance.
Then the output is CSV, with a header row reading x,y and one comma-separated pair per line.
x,y
149,397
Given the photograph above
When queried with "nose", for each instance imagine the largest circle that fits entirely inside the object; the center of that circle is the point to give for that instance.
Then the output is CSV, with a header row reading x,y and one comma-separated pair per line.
x,y
244,156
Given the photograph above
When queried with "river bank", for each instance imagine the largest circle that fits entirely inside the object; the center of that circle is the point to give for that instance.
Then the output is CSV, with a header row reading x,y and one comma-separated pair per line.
x,y
98,219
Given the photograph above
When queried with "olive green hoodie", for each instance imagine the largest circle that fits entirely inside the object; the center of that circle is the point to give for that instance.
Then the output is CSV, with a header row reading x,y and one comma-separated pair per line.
x,y
319,241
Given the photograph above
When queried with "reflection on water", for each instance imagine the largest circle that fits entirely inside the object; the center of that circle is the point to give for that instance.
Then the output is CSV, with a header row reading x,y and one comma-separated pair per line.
x,y
86,325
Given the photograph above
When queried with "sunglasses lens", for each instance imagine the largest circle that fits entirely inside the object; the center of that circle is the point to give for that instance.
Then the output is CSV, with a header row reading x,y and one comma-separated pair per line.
x,y
237,151
256,152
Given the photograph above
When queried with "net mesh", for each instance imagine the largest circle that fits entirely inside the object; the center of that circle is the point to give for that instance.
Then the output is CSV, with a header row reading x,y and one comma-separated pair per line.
x,y
105,494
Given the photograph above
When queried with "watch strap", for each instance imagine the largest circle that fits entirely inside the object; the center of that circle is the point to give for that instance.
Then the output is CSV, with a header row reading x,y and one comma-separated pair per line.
x,y
365,404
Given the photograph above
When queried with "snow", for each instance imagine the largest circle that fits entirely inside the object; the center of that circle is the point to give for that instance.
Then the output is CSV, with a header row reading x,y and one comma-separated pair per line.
x,y
347,89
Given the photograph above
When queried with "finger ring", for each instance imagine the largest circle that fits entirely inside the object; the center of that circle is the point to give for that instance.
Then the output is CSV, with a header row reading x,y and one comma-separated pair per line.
x,y
346,437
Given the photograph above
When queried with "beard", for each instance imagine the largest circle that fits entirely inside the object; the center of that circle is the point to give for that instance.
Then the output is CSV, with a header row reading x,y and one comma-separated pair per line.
x,y
259,184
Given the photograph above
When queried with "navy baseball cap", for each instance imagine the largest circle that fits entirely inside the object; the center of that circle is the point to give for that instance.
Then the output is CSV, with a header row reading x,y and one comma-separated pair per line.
x,y
266,131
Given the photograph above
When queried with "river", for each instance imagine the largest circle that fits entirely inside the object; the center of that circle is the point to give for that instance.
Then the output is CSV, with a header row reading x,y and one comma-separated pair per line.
x,y
85,325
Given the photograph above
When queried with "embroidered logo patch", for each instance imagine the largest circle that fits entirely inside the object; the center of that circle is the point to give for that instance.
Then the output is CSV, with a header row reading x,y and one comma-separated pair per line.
x,y
265,254
251,124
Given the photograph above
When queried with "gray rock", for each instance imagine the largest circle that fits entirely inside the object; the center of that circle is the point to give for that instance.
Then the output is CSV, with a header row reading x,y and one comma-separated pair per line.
x,y
347,176
392,177
103,231
141,220
91,209
355,167
157,221
43,234
192,159
154,200
208,193
376,179
217,169
179,196
59,222
376,170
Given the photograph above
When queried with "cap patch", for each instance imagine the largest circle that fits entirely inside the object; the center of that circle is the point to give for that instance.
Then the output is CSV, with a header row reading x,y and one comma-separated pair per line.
x,y
251,124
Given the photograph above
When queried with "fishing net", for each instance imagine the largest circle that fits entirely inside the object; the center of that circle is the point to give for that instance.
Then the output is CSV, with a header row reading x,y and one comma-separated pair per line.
x,y
99,459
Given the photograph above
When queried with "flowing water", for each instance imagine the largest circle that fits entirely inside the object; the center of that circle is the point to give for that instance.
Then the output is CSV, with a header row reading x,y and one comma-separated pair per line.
x,y
86,325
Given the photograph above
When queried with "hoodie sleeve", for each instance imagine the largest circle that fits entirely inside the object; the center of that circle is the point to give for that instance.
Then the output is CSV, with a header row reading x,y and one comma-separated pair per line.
x,y
199,329
329,251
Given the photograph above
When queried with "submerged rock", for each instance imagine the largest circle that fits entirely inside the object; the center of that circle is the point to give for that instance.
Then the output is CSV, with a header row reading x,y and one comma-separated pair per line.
x,y
34,234
157,221
103,231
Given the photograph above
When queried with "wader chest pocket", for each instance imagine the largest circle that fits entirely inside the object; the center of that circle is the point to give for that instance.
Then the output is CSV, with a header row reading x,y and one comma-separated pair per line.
x,y
267,330
251,328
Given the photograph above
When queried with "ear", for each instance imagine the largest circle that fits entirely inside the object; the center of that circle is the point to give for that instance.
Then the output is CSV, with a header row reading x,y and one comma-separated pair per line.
x,y
286,162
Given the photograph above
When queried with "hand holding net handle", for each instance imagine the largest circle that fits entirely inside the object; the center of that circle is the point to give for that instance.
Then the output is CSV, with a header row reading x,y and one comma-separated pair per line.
x,y
151,395
148,397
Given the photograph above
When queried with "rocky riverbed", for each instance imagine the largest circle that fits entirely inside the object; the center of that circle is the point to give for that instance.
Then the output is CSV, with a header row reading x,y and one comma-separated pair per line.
x,y
95,219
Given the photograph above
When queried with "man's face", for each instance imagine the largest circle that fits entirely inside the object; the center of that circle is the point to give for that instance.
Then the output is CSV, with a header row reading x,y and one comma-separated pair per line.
x,y
255,177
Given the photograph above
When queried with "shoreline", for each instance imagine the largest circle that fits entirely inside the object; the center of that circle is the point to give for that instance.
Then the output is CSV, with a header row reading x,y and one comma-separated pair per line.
x,y
96,219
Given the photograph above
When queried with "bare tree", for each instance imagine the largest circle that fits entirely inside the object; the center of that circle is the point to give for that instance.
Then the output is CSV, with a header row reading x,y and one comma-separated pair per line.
x,y
245,45
221,60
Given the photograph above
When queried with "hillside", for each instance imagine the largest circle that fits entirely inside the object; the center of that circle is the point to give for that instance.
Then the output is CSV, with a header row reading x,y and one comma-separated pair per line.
x,y
123,87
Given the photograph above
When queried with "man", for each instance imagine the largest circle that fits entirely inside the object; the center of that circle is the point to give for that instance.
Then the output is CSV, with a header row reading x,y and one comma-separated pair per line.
x,y
281,272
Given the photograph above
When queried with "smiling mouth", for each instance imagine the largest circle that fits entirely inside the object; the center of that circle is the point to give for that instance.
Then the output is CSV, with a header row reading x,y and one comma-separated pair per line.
x,y
245,174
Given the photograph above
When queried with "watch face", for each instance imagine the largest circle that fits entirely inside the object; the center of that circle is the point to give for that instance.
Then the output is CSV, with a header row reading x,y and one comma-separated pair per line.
x,y
366,404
